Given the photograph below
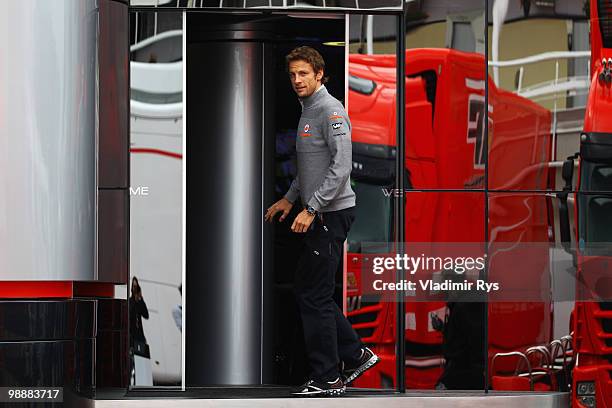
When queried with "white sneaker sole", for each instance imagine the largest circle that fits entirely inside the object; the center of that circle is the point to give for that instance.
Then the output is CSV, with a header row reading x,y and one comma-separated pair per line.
x,y
363,368
336,392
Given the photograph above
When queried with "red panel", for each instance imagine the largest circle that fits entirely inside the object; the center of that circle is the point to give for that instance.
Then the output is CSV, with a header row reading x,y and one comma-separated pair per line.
x,y
35,289
55,289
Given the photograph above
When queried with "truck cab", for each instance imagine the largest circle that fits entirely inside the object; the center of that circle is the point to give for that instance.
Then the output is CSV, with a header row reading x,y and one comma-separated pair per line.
x,y
592,319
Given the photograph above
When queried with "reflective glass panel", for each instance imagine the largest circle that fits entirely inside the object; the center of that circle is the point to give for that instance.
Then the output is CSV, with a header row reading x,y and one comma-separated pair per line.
x,y
156,198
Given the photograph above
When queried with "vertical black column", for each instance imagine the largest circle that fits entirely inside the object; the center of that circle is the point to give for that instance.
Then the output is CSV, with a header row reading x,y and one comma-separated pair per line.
x,y
113,142
226,151
400,201
111,343
485,273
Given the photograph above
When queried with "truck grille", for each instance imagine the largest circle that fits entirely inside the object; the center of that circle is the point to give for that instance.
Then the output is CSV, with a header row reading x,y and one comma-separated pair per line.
x,y
365,332
364,319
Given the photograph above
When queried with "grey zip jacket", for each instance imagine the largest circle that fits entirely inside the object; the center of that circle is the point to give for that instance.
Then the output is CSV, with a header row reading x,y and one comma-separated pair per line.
x,y
324,155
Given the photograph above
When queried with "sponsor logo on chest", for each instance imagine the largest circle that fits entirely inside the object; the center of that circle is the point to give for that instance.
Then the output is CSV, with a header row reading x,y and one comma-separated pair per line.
x,y
306,132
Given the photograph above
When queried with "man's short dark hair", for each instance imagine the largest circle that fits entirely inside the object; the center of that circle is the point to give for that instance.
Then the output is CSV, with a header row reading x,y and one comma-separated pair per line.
x,y
311,56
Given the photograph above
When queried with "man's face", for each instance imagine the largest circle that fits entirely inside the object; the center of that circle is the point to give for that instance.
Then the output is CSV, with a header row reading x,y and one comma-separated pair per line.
x,y
303,78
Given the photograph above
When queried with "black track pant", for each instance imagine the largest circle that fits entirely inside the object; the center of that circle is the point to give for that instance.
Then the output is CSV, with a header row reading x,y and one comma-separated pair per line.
x,y
328,335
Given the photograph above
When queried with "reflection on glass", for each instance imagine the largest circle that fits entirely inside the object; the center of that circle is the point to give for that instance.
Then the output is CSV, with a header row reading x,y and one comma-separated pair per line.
x,y
536,102
446,119
373,217
373,224
526,264
445,129
140,355
595,176
595,223
444,340
371,103
156,196
445,95
520,142
539,79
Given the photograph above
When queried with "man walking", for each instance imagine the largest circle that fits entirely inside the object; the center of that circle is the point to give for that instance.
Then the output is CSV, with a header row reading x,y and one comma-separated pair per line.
x,y
324,161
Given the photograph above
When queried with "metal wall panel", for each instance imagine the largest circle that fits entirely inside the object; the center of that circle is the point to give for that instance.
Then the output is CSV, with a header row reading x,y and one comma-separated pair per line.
x,y
47,139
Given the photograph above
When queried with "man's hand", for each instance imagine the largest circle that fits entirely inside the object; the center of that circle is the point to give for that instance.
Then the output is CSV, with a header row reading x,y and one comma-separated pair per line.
x,y
283,205
302,222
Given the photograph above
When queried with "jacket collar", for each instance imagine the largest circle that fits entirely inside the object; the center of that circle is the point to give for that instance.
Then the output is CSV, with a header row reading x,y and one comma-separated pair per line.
x,y
313,99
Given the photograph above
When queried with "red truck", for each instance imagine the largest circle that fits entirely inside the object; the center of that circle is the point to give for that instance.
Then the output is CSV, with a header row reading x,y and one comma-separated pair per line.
x,y
446,119
592,316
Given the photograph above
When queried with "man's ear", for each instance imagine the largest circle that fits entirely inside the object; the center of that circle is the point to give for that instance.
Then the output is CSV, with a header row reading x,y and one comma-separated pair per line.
x,y
319,75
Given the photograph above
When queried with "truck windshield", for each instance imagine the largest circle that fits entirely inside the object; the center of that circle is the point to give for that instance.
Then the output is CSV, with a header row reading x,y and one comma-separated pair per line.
x,y
373,219
595,208
595,176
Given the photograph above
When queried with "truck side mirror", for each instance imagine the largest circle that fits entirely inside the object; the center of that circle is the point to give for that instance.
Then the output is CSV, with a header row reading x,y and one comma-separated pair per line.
x,y
564,222
567,172
565,231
